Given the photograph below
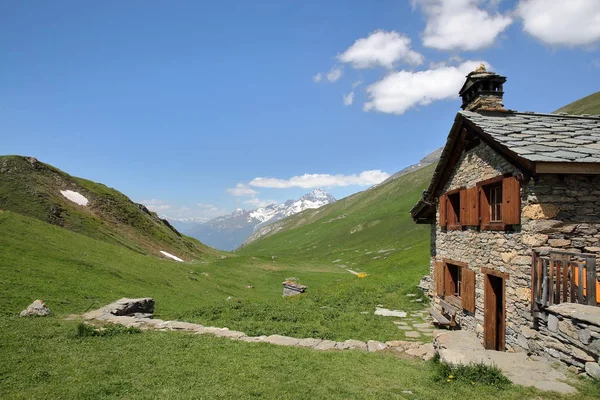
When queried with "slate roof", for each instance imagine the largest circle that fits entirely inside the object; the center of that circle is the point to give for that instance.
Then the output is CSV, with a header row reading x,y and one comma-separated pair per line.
x,y
542,137
526,137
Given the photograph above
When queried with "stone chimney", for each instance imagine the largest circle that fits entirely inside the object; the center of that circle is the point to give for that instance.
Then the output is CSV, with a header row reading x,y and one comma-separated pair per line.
x,y
482,91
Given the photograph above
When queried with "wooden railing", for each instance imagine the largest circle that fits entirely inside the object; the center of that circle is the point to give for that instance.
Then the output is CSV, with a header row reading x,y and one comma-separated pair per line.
x,y
563,277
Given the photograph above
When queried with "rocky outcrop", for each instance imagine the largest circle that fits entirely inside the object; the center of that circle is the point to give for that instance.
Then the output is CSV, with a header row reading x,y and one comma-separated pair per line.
x,y
36,309
142,308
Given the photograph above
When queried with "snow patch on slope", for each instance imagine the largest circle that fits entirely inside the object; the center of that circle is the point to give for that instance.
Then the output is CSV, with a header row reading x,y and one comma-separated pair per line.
x,y
164,253
75,197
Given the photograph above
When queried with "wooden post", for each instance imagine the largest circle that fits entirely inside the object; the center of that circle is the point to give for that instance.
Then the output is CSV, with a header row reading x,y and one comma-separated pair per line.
x,y
591,280
540,268
534,283
565,282
580,298
551,282
558,264
572,287
544,283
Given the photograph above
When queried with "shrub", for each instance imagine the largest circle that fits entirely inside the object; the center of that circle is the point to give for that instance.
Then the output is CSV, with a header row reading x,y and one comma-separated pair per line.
x,y
472,374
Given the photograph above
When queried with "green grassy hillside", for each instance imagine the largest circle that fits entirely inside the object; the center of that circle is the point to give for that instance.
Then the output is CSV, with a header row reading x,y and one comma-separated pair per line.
x,y
72,272
30,187
587,105
369,231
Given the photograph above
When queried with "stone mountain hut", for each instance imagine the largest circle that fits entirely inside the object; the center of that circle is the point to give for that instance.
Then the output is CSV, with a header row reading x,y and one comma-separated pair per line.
x,y
514,209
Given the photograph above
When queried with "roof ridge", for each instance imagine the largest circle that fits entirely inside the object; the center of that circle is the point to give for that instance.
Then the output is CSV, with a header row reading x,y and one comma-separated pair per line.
x,y
533,113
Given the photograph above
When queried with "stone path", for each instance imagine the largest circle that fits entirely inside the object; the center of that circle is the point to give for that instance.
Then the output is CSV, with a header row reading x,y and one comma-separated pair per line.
x,y
463,348
137,313
454,347
416,325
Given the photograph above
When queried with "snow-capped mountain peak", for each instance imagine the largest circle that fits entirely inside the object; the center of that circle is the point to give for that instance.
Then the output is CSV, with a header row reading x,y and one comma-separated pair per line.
x,y
315,199
229,231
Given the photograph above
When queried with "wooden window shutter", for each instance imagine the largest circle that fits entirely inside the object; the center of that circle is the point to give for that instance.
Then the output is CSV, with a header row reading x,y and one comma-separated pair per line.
x,y
442,210
464,207
438,271
469,207
449,284
511,201
467,296
484,207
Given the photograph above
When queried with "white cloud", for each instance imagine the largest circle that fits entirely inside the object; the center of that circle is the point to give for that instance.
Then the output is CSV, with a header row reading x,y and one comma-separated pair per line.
x,y
242,190
356,84
256,202
318,77
380,48
156,205
334,74
399,91
349,99
561,22
307,181
462,24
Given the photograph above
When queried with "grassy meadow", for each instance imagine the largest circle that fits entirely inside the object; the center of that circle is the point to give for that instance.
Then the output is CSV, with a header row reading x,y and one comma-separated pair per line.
x,y
43,358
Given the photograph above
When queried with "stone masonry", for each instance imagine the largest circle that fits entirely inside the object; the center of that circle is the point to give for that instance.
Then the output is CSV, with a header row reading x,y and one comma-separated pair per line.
x,y
557,212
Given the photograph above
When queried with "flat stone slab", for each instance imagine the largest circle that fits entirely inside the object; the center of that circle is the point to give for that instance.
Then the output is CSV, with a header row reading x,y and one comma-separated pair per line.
x,y
463,347
374,345
389,313
325,345
282,340
423,325
402,345
356,344
412,334
581,312
252,339
309,342
424,351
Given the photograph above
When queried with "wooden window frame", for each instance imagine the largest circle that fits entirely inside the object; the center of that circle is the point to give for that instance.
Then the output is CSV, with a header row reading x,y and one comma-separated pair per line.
x,y
465,299
495,200
452,209
453,279
485,222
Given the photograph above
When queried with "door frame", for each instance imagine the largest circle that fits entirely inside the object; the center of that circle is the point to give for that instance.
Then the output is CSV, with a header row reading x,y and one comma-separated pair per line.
x,y
494,330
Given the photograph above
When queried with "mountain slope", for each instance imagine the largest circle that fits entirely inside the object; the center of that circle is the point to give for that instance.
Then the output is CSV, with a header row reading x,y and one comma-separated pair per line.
x,y
587,105
30,187
365,230
429,159
229,231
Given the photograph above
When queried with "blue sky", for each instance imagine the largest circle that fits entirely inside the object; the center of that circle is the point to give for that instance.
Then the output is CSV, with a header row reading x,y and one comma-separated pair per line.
x,y
185,105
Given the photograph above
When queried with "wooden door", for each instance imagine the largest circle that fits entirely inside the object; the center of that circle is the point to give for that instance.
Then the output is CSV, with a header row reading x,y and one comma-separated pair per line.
x,y
494,329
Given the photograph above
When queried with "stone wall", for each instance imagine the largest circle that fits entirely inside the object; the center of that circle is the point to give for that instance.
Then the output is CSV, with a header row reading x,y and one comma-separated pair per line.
x,y
560,212
571,334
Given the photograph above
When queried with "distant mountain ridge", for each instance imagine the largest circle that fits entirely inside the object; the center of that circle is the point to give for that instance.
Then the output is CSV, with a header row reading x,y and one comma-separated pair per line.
x,y
276,226
229,231
429,159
